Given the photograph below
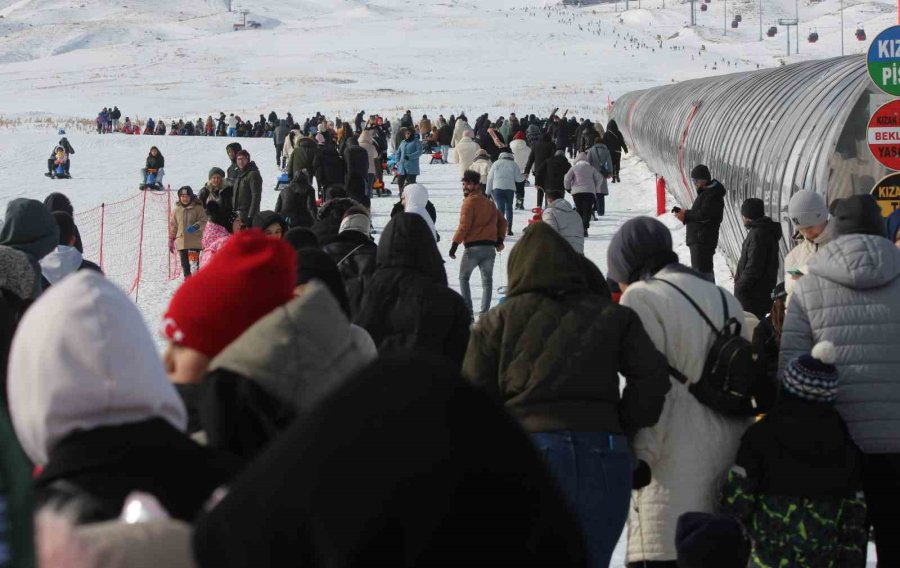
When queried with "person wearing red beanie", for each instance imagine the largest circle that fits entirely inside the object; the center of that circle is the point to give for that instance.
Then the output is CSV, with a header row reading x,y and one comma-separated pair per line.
x,y
248,278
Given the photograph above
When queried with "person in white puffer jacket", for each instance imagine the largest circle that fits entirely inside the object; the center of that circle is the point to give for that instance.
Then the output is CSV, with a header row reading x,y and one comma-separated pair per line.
x,y
692,447
466,150
501,183
459,129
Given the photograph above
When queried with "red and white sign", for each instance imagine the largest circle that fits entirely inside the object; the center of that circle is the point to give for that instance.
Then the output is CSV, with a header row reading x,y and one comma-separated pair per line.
x,y
884,135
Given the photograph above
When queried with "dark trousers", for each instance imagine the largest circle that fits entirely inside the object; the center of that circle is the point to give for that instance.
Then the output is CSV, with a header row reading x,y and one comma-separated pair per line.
x,y
278,150
593,469
702,260
616,163
584,204
185,261
520,192
405,180
600,205
540,197
881,481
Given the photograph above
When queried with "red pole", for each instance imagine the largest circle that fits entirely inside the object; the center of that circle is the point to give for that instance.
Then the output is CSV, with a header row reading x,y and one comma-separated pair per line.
x,y
660,196
140,267
102,220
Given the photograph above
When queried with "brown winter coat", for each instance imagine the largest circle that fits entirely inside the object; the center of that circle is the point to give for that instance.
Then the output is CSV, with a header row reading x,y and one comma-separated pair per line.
x,y
479,222
182,218
553,351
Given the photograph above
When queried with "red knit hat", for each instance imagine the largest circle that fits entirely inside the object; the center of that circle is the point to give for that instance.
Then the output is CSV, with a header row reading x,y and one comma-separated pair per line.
x,y
519,136
248,278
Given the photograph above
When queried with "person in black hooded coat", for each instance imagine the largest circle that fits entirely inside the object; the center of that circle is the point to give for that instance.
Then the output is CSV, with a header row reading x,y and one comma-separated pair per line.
x,y
407,305
328,223
233,170
615,142
354,253
403,465
357,164
757,269
330,167
297,202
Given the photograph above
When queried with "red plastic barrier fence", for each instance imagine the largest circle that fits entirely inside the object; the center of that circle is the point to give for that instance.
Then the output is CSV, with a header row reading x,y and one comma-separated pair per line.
x,y
129,240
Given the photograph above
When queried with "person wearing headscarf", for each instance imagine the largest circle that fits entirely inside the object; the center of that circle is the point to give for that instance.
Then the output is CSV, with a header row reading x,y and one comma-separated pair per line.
x,y
403,465
407,305
691,448
415,201
92,407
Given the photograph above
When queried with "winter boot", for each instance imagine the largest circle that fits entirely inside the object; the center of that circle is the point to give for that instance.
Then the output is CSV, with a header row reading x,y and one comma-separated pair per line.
x,y
520,204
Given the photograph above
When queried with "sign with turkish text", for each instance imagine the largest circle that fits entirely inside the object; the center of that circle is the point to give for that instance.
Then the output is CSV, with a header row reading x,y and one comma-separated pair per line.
x,y
884,61
887,194
883,135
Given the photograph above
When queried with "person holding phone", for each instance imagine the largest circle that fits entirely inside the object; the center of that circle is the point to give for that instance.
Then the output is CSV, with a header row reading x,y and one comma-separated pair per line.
x,y
703,220
809,214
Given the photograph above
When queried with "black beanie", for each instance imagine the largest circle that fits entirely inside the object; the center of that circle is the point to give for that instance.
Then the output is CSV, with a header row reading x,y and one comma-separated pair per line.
x,y
859,215
701,172
315,264
711,541
753,208
216,171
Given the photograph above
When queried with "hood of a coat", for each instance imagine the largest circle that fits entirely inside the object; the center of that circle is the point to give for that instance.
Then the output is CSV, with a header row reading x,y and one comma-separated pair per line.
x,y
714,188
506,156
103,370
29,227
542,261
195,201
407,243
17,273
288,349
859,262
59,202
766,224
60,263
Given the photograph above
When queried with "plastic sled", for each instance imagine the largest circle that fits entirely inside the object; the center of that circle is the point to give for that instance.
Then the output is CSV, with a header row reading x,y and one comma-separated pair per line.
x,y
283,181
437,158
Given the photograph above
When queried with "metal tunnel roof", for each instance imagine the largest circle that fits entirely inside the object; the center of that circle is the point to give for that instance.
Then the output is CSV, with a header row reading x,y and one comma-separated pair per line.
x,y
763,134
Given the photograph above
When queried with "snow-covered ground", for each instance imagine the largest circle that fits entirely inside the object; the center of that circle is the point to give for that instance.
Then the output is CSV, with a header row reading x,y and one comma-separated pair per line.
x,y
61,61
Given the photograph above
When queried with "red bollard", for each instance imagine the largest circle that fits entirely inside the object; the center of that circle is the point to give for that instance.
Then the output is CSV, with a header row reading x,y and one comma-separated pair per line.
x,y
660,196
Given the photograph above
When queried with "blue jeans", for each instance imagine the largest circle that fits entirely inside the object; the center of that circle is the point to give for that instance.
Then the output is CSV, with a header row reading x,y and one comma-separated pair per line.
x,y
481,257
445,153
232,132
593,470
504,200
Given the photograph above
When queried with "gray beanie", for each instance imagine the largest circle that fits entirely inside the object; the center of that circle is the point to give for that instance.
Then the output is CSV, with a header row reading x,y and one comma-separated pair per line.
x,y
807,209
640,248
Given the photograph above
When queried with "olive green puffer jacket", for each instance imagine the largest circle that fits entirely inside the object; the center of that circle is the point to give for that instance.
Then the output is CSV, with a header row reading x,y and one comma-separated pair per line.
x,y
553,350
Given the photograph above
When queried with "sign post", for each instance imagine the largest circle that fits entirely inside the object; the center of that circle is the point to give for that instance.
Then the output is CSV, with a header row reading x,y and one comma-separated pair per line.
x,y
883,61
883,135
887,194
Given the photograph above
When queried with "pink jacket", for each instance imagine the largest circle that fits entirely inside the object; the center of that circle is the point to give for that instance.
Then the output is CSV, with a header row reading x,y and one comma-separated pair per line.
x,y
214,238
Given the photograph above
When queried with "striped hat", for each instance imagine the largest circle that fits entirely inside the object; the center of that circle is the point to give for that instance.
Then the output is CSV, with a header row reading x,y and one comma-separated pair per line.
x,y
813,377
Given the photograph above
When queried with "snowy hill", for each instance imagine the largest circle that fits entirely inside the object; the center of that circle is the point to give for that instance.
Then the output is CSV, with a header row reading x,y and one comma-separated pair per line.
x,y
178,58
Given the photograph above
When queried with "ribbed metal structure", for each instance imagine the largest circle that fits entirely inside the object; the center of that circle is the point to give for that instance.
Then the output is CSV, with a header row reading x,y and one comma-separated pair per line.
x,y
763,134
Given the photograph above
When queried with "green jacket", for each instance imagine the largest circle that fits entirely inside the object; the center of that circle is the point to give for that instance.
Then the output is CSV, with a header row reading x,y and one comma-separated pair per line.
x,y
551,353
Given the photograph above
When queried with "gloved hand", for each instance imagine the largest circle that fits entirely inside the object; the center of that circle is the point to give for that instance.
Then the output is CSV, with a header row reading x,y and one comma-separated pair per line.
x,y
453,248
193,229
641,476
172,246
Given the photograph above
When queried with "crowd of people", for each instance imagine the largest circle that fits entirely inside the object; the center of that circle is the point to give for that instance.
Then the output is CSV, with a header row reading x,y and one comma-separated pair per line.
x,y
328,400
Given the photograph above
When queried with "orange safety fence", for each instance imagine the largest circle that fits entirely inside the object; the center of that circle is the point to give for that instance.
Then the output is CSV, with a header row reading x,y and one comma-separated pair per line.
x,y
128,239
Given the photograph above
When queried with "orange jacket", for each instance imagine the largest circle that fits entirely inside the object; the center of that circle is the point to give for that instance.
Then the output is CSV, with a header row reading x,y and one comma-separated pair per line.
x,y
479,221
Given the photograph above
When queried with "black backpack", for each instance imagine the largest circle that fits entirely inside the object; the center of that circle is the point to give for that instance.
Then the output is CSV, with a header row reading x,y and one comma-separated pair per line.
x,y
732,370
